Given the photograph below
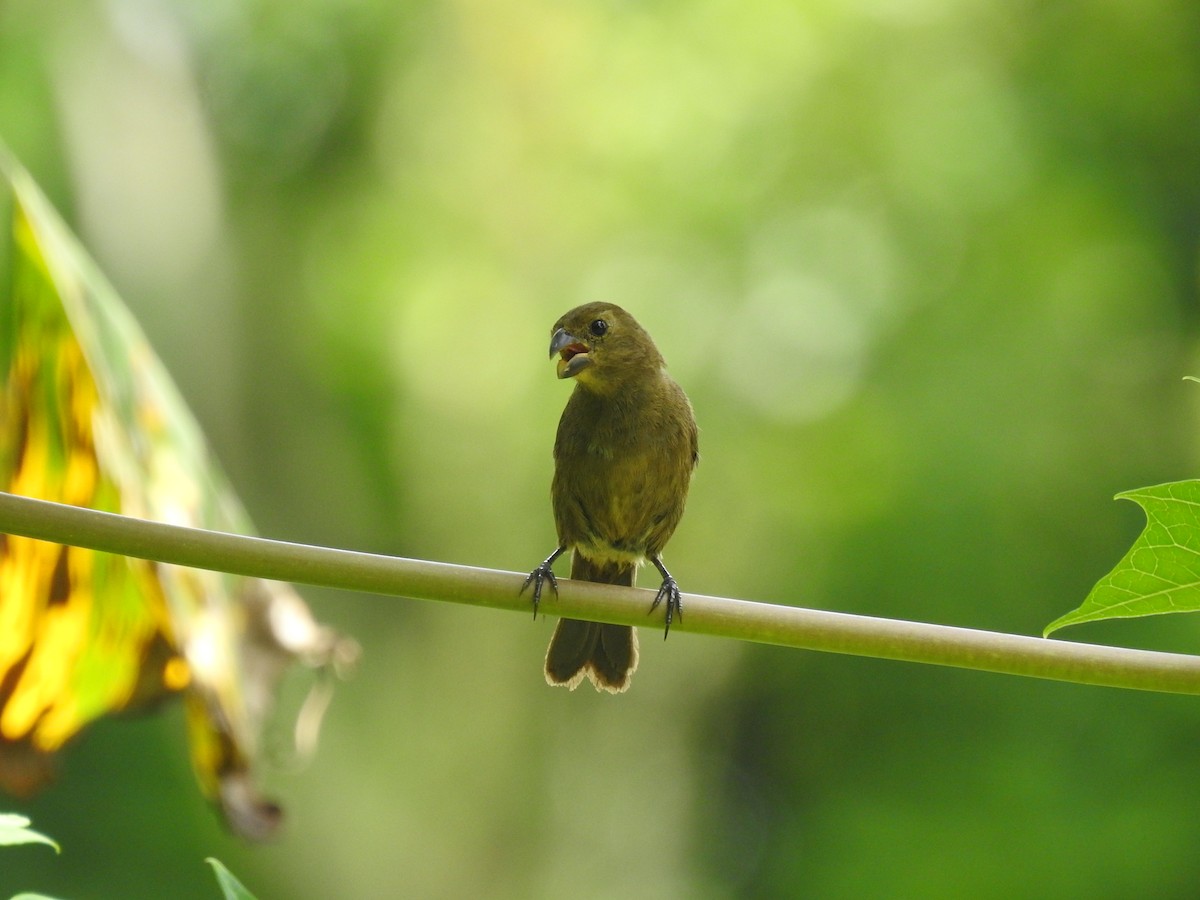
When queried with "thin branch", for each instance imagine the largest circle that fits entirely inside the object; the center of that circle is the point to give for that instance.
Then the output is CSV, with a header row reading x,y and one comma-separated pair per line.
x,y
718,616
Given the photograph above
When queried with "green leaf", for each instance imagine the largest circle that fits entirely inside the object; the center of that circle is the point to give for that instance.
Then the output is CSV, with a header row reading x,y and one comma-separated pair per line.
x,y
1161,571
230,886
15,830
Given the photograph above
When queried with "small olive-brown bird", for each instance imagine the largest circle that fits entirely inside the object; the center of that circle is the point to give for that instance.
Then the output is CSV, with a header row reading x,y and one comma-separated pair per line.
x,y
623,460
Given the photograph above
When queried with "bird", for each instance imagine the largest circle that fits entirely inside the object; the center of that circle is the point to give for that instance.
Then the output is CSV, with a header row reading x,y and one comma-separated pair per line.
x,y
626,448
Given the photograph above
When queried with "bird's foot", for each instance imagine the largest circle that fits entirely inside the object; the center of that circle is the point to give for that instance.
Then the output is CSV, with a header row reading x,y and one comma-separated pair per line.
x,y
539,577
669,592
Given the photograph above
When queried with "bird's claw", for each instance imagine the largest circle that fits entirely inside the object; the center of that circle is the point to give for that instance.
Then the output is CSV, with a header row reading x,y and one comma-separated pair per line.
x,y
669,592
538,577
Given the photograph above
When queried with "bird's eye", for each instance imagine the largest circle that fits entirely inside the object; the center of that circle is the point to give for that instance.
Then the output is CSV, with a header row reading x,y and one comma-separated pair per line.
x,y
598,328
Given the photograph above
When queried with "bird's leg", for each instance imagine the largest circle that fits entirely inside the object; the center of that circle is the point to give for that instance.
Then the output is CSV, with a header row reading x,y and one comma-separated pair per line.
x,y
542,574
669,592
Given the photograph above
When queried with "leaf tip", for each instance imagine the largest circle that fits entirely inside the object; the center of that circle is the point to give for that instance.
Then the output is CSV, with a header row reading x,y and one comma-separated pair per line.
x,y
15,830
230,886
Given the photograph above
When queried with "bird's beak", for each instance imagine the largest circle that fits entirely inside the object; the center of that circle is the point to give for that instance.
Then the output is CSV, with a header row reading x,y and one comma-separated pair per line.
x,y
573,353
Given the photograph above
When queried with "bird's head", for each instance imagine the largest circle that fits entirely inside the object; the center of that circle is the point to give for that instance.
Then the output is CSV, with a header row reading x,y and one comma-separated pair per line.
x,y
600,345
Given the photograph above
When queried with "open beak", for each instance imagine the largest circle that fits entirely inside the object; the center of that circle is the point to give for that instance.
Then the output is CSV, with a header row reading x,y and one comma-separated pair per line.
x,y
573,353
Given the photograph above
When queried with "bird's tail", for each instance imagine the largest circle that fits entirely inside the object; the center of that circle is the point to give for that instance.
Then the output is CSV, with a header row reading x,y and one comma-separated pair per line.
x,y
606,654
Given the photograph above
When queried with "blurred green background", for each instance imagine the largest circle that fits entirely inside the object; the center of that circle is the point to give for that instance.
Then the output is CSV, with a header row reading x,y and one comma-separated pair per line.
x,y
927,269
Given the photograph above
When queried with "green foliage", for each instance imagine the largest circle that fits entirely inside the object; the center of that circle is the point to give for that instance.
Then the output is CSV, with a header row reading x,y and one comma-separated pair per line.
x,y
230,886
1161,572
14,829
913,262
